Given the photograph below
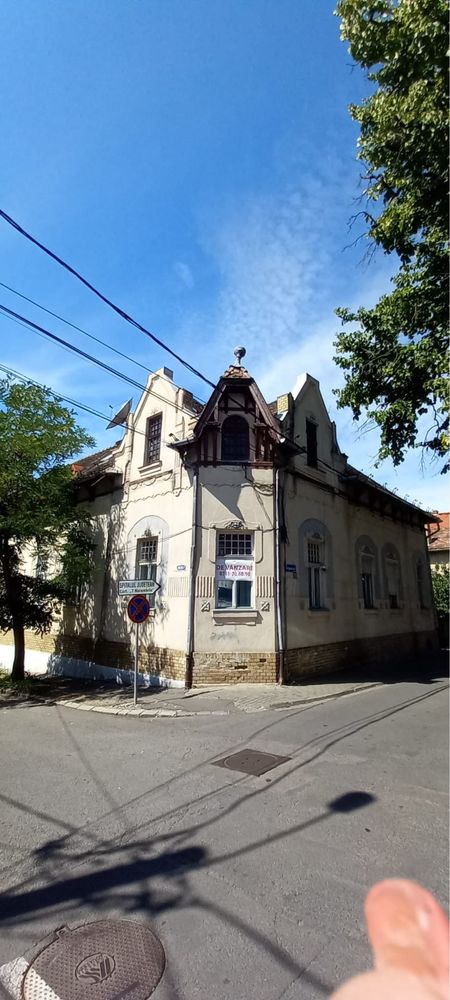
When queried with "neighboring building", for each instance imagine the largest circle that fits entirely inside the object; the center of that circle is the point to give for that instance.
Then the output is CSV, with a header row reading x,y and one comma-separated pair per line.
x,y
276,559
439,542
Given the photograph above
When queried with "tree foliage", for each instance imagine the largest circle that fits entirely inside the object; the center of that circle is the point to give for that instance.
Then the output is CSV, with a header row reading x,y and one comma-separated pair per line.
x,y
38,509
440,582
394,355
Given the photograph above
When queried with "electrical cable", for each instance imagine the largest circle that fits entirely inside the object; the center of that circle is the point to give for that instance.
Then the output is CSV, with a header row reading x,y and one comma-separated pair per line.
x,y
11,314
58,395
120,312
66,345
85,333
17,317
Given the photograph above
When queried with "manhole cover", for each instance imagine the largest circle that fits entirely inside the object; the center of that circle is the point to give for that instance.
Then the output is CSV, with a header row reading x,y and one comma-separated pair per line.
x,y
251,761
105,960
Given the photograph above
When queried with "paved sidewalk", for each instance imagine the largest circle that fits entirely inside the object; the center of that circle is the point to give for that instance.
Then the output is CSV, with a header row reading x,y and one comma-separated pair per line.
x,y
211,700
155,702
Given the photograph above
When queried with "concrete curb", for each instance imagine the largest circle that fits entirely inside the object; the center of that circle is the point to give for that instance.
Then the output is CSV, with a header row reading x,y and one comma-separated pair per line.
x,y
167,713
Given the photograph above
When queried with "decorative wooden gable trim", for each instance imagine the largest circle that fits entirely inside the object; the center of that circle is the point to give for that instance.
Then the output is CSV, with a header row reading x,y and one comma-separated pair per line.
x,y
237,394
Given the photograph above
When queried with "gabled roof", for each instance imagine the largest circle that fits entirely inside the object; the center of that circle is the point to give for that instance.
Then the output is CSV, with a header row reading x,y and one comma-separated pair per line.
x,y
439,537
233,374
354,474
100,463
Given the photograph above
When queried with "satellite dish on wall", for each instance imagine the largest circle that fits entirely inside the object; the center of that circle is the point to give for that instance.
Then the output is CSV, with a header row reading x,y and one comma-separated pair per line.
x,y
121,415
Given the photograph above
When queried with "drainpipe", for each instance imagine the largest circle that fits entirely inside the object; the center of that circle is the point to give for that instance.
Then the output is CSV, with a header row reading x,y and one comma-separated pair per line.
x,y
189,672
280,642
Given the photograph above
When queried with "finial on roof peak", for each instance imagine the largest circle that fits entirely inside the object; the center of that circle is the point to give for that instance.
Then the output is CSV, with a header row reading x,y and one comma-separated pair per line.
x,y
239,353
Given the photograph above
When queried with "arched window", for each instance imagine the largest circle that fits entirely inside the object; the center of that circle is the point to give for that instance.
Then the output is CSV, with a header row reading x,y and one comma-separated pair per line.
x,y
422,580
315,569
235,440
420,583
367,576
392,577
315,556
367,572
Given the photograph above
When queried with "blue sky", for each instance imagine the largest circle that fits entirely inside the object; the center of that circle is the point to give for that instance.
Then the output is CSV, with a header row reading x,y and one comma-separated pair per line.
x,y
196,161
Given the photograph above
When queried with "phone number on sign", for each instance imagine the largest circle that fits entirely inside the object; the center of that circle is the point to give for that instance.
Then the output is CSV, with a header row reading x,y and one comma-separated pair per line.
x,y
234,570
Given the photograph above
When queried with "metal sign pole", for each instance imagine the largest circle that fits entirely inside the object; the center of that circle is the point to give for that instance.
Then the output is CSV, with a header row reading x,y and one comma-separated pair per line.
x,y
136,660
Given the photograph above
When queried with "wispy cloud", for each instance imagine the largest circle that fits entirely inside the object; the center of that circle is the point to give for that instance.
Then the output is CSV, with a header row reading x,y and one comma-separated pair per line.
x,y
280,283
184,273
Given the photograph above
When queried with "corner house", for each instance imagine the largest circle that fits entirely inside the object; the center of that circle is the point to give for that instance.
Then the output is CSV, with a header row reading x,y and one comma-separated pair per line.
x,y
275,558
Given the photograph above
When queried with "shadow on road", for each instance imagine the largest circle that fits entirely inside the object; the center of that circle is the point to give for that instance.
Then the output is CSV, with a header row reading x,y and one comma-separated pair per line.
x,y
99,888
423,670
125,877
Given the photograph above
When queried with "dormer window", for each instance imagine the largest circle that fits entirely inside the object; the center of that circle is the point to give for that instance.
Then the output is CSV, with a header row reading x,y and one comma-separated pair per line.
x,y
235,440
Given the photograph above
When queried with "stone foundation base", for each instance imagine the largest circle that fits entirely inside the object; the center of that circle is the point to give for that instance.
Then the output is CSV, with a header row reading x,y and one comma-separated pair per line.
x,y
154,661
157,660
235,668
309,661
162,663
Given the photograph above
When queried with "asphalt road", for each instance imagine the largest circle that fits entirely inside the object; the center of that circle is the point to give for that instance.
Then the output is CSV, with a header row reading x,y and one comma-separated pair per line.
x,y
255,885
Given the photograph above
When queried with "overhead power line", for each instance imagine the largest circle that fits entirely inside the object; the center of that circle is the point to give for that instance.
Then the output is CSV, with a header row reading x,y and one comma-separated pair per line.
x,y
40,330
59,395
85,333
66,345
68,399
129,319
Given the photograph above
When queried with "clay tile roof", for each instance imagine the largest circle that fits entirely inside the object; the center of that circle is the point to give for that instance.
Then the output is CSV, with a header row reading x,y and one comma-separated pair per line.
x,y
236,371
439,536
99,461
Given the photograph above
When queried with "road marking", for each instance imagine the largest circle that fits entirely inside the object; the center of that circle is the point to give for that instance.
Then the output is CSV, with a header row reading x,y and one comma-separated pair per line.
x,y
11,976
37,988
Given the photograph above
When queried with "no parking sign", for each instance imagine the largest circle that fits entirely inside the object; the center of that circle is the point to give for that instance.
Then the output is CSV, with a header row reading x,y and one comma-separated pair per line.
x,y
138,609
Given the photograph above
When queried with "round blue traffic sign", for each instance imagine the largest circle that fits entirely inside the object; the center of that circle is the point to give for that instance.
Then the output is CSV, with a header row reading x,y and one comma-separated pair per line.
x,y
138,609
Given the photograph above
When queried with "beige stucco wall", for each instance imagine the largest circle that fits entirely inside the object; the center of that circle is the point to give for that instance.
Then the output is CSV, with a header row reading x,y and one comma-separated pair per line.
x,y
225,496
156,499
346,616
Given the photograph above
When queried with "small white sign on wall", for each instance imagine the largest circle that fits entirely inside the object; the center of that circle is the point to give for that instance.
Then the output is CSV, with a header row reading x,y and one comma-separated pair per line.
x,y
231,568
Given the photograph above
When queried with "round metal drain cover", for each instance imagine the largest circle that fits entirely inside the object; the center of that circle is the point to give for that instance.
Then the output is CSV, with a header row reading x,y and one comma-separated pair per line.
x,y
105,960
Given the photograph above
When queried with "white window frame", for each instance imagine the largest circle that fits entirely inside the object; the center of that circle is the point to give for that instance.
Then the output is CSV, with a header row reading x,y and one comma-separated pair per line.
x,y
420,582
152,542
367,570
42,565
393,572
152,440
315,563
228,544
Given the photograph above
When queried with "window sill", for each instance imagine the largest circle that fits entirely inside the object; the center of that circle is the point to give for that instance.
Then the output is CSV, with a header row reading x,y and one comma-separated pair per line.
x,y
315,472
153,467
317,611
243,616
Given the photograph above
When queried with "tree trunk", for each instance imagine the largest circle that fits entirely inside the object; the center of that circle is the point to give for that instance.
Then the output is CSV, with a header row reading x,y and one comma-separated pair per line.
x,y
12,588
18,670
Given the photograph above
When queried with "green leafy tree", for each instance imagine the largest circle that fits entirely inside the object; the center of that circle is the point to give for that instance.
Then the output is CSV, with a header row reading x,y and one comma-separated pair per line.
x,y
394,356
440,579
38,510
